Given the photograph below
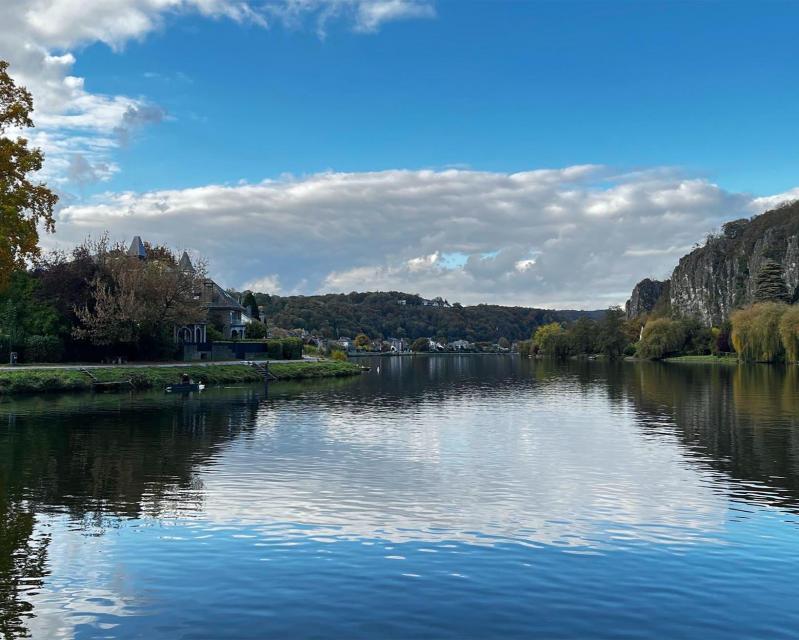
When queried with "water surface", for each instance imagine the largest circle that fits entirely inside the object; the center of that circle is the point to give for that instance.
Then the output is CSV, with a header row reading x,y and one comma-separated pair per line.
x,y
441,497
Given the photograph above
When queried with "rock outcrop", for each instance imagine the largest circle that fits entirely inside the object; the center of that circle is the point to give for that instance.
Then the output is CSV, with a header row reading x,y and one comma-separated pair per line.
x,y
646,295
713,280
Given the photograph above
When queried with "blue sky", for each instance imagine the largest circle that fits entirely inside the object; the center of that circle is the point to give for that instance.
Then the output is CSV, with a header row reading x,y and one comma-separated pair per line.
x,y
539,153
491,85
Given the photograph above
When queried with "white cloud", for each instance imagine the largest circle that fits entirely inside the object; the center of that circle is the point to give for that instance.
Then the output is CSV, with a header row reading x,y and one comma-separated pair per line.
x,y
38,38
573,237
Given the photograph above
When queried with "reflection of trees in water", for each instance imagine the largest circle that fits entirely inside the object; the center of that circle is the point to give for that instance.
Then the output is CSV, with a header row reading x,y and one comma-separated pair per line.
x,y
23,557
99,459
743,421
125,460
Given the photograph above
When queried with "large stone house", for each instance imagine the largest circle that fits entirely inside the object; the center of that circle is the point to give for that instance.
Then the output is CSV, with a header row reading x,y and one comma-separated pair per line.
x,y
222,310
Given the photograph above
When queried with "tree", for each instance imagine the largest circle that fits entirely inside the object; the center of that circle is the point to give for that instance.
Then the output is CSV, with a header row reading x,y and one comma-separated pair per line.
x,y
547,336
251,305
770,284
361,341
611,339
661,338
756,332
24,204
503,343
134,300
421,344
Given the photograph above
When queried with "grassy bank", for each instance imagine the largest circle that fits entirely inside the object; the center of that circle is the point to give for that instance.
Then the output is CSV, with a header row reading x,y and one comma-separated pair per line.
x,y
729,358
51,380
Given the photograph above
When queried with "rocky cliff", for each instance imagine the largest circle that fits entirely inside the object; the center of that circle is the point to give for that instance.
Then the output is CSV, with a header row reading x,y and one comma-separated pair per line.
x,y
713,280
645,297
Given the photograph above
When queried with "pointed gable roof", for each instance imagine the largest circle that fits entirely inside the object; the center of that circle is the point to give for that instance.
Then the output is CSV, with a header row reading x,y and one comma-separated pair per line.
x,y
137,249
185,263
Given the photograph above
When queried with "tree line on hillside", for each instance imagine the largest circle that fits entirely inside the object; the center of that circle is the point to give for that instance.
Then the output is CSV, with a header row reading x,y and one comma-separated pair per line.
x,y
382,315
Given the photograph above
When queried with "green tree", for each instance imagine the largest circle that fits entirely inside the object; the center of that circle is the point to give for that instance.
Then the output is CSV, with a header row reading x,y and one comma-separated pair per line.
x,y
547,336
583,336
421,344
661,338
611,338
251,305
770,284
361,341
756,332
24,203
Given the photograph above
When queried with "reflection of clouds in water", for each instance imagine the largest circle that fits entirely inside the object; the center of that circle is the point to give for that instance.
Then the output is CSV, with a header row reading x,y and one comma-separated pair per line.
x,y
84,586
558,465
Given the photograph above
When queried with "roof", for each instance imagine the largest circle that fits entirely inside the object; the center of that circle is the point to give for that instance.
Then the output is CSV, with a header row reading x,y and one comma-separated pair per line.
x,y
185,263
137,248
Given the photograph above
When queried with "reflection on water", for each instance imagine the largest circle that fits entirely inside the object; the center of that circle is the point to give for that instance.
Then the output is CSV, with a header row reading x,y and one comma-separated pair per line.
x,y
441,497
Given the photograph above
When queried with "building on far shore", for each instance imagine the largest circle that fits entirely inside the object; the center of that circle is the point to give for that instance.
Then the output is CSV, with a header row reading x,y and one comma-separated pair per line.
x,y
222,310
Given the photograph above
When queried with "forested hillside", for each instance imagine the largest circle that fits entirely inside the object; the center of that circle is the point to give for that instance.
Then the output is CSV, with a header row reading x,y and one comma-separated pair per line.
x,y
383,314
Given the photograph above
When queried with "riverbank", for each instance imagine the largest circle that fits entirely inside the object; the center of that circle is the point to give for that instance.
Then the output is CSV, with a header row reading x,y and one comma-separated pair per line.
x,y
729,358
44,380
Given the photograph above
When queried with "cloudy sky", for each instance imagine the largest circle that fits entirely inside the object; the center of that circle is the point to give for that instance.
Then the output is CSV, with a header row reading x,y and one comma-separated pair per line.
x,y
535,153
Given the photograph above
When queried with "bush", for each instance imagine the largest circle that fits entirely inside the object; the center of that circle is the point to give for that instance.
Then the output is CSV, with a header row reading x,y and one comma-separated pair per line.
x,y
42,349
756,332
338,355
420,344
789,333
292,349
274,349
255,331
661,338
213,334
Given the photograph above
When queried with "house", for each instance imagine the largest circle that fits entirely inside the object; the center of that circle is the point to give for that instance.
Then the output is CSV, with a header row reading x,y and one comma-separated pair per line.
x,y
460,345
221,309
396,345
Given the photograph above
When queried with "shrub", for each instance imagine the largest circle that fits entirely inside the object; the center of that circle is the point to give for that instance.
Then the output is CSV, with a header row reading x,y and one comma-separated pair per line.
x,y
661,338
756,332
42,349
789,333
292,349
421,344
213,334
338,355
274,349
255,331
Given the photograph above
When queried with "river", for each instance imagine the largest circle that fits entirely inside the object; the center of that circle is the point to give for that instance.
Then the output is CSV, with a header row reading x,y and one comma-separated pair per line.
x,y
437,497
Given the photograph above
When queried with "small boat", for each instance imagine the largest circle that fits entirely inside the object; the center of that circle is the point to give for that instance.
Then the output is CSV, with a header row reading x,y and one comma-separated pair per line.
x,y
365,368
184,387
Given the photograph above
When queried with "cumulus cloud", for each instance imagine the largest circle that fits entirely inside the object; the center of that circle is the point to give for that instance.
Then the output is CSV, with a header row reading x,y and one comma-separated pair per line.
x,y
39,38
574,237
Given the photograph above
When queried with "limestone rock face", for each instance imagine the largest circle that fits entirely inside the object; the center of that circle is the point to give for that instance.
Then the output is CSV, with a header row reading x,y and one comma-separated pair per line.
x,y
645,296
712,281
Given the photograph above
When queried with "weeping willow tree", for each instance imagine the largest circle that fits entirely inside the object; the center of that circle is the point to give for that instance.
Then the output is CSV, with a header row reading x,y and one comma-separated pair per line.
x,y
756,332
789,332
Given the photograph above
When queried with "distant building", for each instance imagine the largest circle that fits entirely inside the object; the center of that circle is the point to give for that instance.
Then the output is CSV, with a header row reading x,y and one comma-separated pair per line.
x,y
460,345
222,310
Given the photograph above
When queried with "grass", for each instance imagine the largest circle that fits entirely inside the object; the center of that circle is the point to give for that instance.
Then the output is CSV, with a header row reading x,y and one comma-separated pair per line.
x,y
51,380
727,358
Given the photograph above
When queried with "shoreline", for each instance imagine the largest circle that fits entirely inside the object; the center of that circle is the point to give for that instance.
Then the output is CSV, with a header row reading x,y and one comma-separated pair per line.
x,y
26,380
